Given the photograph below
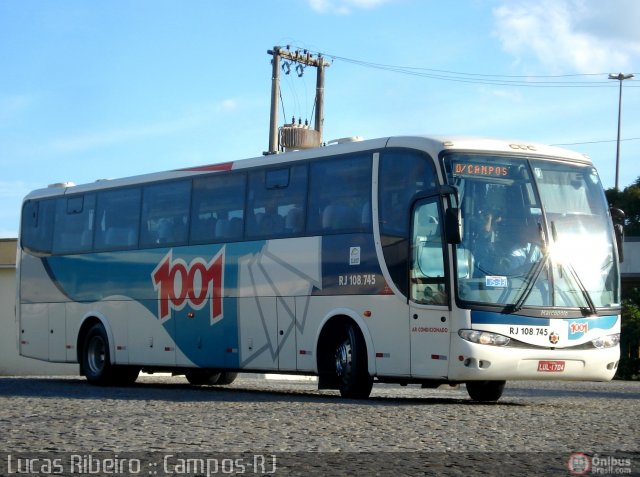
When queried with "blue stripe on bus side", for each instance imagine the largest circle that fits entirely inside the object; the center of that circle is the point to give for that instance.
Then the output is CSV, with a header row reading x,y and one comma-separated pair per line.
x,y
494,318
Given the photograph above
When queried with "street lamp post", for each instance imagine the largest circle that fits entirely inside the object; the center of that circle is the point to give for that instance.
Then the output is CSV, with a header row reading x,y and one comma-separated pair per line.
x,y
620,77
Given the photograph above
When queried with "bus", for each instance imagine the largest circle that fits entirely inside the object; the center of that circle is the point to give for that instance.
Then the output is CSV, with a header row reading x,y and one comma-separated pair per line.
x,y
408,260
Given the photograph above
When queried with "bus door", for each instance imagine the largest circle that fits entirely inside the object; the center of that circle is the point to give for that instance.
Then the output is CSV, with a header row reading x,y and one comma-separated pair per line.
x,y
429,314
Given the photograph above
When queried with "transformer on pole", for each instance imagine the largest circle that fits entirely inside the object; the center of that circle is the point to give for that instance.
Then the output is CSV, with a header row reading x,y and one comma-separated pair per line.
x,y
295,136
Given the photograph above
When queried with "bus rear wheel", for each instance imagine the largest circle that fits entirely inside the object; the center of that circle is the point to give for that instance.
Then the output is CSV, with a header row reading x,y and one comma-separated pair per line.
x,y
96,358
485,391
96,361
227,377
350,355
199,378
125,375
206,378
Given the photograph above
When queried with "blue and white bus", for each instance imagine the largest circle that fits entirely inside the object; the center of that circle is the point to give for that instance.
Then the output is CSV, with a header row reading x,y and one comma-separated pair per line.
x,y
424,260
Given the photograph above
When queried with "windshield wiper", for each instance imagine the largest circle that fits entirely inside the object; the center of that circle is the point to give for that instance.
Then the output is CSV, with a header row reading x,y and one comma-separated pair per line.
x,y
585,293
532,276
591,307
529,281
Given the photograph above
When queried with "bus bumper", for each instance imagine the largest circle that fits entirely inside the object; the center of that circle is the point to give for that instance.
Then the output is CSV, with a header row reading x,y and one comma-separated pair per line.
x,y
471,362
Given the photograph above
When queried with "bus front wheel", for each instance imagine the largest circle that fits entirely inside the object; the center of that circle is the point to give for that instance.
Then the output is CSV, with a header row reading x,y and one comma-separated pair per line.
x,y
485,391
350,355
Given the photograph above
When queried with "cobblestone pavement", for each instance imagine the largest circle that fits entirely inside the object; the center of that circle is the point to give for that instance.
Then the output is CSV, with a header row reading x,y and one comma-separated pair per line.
x,y
165,414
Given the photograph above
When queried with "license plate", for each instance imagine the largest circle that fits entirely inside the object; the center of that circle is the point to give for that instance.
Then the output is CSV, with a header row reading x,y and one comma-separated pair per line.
x,y
550,366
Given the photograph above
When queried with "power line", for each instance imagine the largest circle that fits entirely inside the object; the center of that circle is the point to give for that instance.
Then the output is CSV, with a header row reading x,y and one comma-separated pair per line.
x,y
596,142
495,80
534,81
528,81
460,73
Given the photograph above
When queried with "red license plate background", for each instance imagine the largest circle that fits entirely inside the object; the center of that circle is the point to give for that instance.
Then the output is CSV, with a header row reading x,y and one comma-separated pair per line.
x,y
550,366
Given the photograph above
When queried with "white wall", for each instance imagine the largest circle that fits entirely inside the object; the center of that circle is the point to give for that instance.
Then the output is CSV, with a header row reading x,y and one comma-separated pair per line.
x,y
11,363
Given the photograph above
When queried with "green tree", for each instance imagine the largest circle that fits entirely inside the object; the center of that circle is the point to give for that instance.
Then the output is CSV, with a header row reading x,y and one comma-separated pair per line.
x,y
629,201
629,368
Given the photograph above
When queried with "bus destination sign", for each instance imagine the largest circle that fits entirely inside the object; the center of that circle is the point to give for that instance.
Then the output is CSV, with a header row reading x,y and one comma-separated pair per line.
x,y
470,169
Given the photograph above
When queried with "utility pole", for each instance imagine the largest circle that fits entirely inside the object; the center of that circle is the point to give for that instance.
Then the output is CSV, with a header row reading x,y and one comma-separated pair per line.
x,y
301,57
319,119
619,77
275,89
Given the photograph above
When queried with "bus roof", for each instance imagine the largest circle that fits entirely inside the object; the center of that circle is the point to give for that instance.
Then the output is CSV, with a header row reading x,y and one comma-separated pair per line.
x,y
430,144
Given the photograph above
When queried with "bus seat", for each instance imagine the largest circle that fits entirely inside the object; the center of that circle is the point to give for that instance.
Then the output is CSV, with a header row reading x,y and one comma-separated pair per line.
x,y
235,227
366,213
258,216
270,224
165,231
294,221
222,228
119,237
338,216
204,228
66,241
329,216
85,239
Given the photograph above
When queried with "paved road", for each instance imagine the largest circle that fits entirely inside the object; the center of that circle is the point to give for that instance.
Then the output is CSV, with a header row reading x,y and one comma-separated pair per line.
x,y
538,424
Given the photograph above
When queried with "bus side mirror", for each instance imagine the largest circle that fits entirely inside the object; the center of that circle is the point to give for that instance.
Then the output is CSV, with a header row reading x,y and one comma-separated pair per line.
x,y
453,225
618,228
619,231
617,214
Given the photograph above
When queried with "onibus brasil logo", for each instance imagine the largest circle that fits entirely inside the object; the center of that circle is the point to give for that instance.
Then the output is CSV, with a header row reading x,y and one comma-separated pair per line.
x,y
180,284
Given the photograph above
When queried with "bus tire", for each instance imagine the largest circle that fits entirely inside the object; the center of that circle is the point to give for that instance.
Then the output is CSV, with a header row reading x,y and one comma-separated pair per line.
x,y
485,391
125,375
227,377
96,357
200,378
350,358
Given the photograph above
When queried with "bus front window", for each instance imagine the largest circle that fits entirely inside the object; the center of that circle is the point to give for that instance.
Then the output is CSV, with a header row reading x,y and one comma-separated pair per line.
x,y
528,225
582,247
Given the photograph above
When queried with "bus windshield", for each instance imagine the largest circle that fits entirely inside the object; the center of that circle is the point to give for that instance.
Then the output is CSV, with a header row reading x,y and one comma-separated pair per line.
x,y
536,233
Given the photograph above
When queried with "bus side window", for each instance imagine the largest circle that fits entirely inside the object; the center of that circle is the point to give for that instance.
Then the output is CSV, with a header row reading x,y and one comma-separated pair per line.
x,y
165,214
340,195
402,174
428,283
117,219
37,225
339,216
74,224
217,208
276,202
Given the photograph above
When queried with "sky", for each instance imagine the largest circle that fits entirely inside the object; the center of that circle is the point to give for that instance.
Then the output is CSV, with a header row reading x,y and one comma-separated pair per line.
x,y
95,90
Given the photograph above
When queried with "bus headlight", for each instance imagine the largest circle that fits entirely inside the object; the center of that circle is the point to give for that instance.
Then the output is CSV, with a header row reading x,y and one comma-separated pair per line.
x,y
608,341
484,337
